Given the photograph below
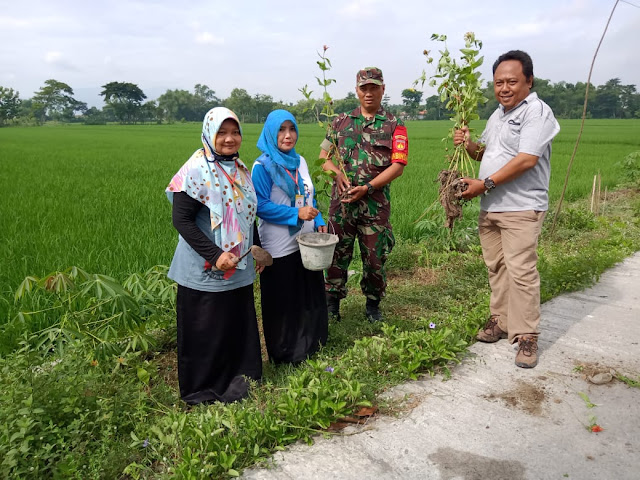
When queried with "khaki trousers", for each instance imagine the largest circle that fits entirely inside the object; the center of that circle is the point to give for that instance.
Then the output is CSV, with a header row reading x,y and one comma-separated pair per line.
x,y
509,241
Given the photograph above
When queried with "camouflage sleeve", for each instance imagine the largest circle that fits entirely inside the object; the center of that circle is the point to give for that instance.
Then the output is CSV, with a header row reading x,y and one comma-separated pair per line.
x,y
400,148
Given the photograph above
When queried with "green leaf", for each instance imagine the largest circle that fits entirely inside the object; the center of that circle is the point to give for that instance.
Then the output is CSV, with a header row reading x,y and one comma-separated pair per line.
x,y
143,375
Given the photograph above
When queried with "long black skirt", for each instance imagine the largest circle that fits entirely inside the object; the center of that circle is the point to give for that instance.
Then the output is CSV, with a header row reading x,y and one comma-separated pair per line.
x,y
294,309
218,344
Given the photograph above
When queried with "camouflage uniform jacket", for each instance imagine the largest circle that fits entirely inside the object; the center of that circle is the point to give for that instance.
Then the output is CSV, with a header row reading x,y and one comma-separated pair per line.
x,y
368,147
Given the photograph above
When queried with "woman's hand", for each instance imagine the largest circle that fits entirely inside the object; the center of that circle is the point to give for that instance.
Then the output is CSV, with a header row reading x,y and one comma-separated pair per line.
x,y
259,268
323,229
227,261
307,213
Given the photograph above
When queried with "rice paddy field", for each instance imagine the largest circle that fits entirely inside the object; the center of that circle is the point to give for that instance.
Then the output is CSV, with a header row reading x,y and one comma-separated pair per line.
x,y
93,196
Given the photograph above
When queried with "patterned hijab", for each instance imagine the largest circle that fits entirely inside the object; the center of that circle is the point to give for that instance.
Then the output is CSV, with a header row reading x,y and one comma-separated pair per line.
x,y
208,176
276,161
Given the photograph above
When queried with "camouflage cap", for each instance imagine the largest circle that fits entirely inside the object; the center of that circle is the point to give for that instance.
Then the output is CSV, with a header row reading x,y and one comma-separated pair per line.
x,y
369,75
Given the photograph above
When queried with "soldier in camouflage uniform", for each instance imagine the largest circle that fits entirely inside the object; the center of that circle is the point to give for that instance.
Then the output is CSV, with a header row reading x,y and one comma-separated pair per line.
x,y
372,146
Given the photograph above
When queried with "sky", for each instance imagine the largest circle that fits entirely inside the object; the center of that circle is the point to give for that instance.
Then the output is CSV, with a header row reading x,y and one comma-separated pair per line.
x,y
271,48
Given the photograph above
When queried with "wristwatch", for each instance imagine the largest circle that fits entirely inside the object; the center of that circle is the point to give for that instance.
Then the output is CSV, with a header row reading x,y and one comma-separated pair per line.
x,y
370,188
489,184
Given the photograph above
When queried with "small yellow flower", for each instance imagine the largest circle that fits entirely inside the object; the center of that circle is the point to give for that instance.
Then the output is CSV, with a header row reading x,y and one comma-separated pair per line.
x,y
94,363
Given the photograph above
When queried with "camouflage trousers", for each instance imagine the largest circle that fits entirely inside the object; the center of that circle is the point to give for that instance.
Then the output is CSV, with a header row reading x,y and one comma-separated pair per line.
x,y
375,239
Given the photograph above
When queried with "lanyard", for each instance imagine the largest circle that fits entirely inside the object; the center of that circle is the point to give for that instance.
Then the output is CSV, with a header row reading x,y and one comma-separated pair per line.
x,y
231,180
295,180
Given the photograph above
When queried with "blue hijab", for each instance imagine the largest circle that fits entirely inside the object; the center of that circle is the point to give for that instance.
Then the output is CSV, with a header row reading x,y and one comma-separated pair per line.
x,y
276,161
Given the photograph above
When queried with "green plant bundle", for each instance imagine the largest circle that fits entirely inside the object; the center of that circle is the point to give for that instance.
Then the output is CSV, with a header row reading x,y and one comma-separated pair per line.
x,y
459,84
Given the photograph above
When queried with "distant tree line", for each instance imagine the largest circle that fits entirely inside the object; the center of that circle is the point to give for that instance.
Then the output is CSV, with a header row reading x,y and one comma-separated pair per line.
x,y
611,100
125,103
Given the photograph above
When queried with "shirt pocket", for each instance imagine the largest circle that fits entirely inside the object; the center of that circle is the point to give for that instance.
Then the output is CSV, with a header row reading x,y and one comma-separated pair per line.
x,y
381,146
510,136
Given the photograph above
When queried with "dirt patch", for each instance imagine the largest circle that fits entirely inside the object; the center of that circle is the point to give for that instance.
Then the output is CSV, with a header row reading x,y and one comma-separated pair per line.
x,y
168,368
399,407
525,396
590,369
418,275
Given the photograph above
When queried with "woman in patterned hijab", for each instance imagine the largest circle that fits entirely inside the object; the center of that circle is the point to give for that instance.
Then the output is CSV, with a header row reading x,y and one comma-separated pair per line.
x,y
214,207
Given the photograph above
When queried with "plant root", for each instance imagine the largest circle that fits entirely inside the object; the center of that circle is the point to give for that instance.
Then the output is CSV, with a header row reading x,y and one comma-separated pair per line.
x,y
449,194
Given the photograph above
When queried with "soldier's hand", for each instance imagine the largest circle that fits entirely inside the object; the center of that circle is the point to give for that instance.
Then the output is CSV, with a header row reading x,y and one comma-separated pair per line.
x,y
342,183
461,136
307,213
355,194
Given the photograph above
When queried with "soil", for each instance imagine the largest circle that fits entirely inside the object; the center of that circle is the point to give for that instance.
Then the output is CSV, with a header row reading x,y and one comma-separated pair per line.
x,y
168,368
589,370
261,256
449,195
525,396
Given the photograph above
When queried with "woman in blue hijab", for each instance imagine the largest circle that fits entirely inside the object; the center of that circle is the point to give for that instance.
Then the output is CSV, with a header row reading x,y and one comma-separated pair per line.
x,y
294,311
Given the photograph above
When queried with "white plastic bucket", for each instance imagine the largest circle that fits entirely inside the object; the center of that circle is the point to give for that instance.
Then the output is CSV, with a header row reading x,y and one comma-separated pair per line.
x,y
316,249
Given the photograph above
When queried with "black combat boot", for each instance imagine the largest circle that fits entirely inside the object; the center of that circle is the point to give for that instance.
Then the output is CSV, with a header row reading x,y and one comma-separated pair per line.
x,y
333,306
373,311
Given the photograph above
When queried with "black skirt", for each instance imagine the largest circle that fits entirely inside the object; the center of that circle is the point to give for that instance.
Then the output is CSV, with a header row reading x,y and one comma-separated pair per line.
x,y
294,309
218,344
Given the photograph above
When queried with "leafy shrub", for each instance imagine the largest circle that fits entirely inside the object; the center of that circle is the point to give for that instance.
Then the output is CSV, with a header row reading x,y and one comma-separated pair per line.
x,y
630,167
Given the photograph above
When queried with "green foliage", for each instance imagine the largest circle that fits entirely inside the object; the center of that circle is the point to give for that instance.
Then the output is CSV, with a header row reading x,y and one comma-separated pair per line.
x,y
324,114
629,381
125,98
630,167
9,105
459,85
55,101
69,417
429,227
64,308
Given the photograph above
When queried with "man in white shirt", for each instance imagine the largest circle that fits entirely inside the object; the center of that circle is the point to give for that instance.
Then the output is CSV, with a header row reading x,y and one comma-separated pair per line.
x,y
515,151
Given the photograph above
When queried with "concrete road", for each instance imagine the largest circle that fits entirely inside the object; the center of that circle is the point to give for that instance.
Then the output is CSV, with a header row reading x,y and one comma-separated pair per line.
x,y
493,420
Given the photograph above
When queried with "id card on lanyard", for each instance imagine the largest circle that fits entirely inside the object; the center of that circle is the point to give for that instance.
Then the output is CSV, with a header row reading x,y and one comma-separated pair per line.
x,y
299,198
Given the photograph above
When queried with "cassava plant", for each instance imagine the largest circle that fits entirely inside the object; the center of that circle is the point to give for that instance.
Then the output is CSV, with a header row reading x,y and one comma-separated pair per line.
x,y
460,88
323,179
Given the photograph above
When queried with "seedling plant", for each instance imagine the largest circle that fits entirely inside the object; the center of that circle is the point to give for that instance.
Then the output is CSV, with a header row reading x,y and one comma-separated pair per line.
x,y
459,85
323,179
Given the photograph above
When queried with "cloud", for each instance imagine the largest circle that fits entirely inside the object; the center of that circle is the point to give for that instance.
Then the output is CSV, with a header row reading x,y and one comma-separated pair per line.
x,y
360,8
56,59
53,57
206,38
12,22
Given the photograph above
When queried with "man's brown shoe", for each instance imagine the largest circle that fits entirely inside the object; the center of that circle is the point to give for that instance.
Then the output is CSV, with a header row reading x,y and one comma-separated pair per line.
x,y
491,332
527,356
